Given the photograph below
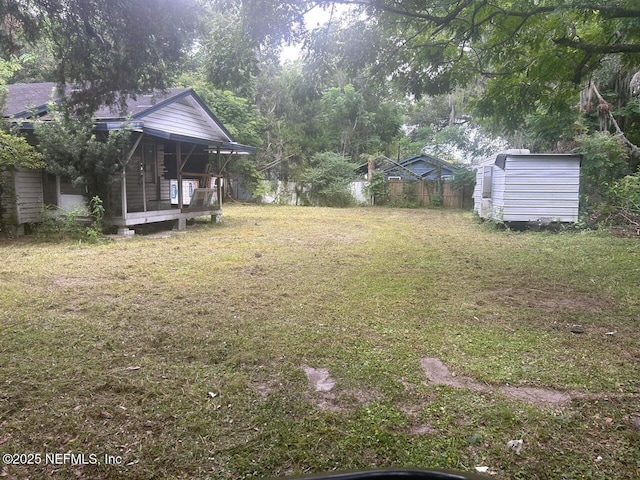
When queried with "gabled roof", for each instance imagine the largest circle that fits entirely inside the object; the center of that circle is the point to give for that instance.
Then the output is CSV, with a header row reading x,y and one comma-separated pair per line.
x,y
387,165
175,114
428,159
408,164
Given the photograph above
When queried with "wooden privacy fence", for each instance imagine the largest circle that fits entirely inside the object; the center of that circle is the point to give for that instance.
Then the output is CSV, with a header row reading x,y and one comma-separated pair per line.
x,y
418,193
422,193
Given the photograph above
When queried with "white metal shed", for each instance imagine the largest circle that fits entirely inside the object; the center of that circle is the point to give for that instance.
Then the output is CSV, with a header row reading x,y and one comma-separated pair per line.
x,y
529,187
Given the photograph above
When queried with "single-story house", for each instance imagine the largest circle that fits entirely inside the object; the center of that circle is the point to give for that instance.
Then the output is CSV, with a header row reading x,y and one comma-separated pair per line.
x,y
418,167
171,172
519,186
415,167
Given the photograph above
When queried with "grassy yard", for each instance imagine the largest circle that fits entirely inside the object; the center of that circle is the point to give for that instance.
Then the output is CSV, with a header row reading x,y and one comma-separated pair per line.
x,y
185,357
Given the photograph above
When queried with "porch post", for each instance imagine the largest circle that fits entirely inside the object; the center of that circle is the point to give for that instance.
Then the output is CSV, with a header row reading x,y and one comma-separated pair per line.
x,y
179,170
123,185
143,174
219,180
123,192
58,191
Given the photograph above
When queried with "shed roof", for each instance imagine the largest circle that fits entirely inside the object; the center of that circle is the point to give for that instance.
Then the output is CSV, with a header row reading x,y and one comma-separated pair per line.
x,y
501,159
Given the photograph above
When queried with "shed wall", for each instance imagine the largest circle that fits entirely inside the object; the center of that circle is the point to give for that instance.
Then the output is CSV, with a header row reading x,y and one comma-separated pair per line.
x,y
498,196
477,191
541,187
489,207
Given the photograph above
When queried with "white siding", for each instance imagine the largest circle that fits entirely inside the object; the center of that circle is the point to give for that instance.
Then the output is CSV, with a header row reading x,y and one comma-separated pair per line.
x,y
489,207
498,190
185,118
28,195
477,191
541,186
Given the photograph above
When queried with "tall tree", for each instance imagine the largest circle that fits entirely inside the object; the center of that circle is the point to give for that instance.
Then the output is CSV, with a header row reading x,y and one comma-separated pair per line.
x,y
531,56
352,124
105,49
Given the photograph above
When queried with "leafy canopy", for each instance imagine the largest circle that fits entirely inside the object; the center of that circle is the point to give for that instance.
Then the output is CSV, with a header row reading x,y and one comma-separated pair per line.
x,y
16,152
107,49
530,56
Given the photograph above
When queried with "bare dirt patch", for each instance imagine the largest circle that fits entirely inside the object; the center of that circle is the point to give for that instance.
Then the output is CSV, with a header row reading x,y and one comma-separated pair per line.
x,y
319,378
537,396
321,382
438,373
635,421
421,430
264,390
326,398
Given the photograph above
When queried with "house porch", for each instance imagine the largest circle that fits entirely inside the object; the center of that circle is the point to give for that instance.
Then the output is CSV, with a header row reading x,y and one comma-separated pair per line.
x,y
163,180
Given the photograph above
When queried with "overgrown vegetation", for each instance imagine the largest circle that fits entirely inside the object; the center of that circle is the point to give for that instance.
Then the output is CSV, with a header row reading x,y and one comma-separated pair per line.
x,y
463,177
608,194
378,188
408,196
79,155
328,179
605,160
75,224
115,348
620,209
15,152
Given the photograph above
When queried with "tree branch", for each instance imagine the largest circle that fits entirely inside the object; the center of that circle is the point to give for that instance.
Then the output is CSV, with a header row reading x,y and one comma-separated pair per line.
x,y
593,48
445,20
635,150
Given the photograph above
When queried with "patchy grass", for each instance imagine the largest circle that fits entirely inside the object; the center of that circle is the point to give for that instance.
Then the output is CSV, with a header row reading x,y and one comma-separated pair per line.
x,y
115,348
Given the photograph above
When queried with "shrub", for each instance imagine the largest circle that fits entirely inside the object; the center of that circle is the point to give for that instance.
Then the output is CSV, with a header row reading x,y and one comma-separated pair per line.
x,y
55,225
378,188
625,193
463,176
604,161
437,200
329,180
252,179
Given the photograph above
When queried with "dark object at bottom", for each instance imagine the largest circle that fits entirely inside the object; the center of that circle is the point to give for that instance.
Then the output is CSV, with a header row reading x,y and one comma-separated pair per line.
x,y
391,475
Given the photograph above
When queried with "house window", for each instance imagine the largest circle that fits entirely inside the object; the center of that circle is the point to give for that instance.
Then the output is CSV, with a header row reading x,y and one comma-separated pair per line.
x,y
68,188
149,159
487,181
